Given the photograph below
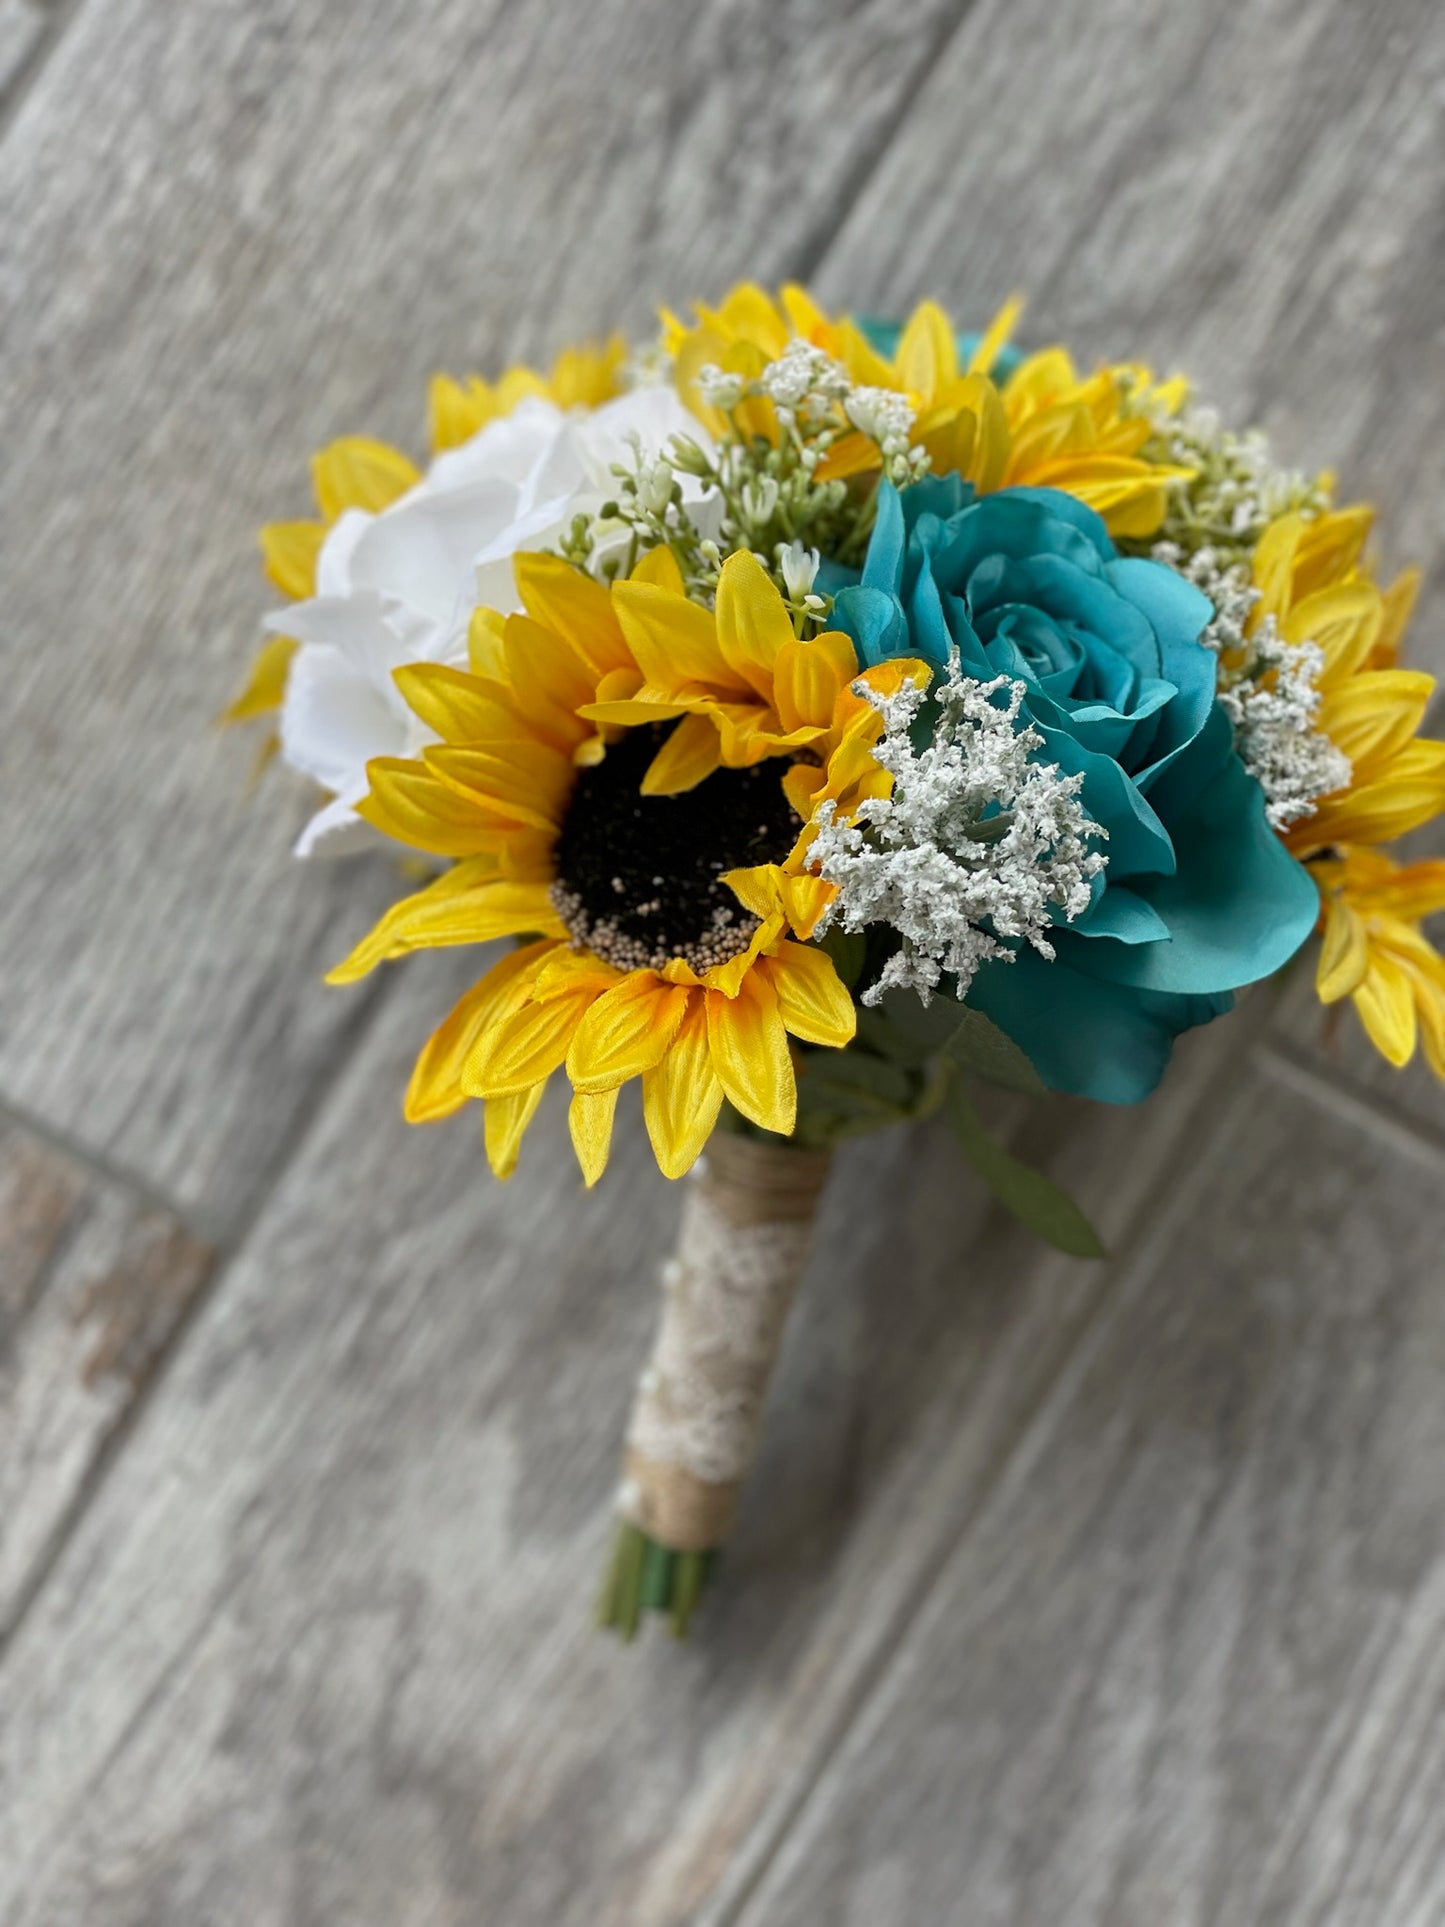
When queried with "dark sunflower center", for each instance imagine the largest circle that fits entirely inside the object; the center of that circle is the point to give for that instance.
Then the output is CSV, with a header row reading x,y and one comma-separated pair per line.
x,y
639,878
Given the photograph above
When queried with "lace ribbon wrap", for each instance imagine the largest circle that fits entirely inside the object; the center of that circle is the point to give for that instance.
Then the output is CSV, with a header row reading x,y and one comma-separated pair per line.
x,y
698,1411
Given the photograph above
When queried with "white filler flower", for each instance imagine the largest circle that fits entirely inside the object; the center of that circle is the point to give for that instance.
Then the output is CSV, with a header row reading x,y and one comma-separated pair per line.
x,y
400,586
978,842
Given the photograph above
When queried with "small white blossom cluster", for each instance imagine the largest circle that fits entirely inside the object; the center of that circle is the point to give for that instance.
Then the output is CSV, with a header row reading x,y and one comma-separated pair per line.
x,y
1294,762
977,844
806,383
705,500
1236,489
1269,689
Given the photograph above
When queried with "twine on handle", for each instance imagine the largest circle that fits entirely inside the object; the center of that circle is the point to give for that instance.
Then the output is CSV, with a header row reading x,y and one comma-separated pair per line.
x,y
698,1411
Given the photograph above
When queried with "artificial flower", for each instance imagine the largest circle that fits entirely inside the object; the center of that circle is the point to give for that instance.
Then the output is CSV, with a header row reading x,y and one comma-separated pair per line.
x,y
584,376
1314,583
1375,953
1199,897
398,584
627,777
980,409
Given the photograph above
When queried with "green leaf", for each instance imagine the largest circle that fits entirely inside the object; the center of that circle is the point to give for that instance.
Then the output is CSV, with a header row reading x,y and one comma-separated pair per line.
x,y
1032,1198
978,1045
916,1031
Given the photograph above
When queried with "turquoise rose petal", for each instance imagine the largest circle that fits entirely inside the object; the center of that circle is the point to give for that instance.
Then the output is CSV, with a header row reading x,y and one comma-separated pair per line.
x,y
874,623
1238,907
1093,1039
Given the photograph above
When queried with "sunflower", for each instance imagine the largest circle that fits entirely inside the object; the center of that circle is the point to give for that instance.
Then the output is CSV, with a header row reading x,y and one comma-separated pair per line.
x,y
359,473
1375,952
1313,579
630,780
1041,427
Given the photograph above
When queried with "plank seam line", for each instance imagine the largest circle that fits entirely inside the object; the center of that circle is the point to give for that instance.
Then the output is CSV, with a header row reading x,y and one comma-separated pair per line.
x,y
226,1254
57,20
98,1163
1222,1098
1351,1102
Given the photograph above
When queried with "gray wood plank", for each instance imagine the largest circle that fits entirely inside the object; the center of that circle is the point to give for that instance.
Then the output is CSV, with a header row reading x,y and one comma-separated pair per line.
x,y
229,234
1165,1676
1254,195
93,1282
22,23
321,1649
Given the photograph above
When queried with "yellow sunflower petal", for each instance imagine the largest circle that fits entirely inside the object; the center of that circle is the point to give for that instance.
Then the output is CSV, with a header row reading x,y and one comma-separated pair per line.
x,y
927,357
812,1000
505,1124
572,604
807,677
996,336
357,473
674,641
1376,712
589,1120
1399,601
626,1031
289,551
1386,1004
1344,621
525,1041
266,684
520,781
659,567
681,1096
447,914
804,899
1330,547
461,708
691,753
408,802
435,1090
752,621
1344,953
748,1045
455,411
548,678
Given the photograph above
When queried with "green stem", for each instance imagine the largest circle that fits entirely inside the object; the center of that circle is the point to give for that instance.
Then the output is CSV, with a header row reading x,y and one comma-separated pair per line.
x,y
644,1576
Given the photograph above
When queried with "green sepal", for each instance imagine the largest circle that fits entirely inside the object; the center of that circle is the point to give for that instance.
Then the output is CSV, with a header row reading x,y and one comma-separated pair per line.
x,y
1036,1201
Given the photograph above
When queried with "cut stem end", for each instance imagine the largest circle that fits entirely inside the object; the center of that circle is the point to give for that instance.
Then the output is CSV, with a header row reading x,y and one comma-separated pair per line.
x,y
643,1576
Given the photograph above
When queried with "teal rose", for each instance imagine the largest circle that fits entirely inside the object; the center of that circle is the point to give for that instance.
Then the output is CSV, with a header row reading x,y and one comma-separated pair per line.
x,y
1199,896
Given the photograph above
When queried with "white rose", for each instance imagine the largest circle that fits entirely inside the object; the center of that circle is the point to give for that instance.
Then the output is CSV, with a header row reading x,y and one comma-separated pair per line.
x,y
401,586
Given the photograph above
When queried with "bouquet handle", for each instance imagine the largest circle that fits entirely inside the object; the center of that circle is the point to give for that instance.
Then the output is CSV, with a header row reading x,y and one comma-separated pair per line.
x,y
697,1413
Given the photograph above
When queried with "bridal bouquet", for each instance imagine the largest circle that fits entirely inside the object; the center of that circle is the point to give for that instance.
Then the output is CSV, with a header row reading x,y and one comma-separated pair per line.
x,y
815,716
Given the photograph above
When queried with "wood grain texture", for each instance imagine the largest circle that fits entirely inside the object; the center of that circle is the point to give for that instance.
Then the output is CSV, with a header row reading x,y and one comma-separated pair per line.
x,y
321,1650
22,23
93,1282
1255,195
229,234
1166,1676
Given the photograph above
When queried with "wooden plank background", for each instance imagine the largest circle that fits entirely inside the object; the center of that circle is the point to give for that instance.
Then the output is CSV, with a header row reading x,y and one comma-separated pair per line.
x,y
1063,1594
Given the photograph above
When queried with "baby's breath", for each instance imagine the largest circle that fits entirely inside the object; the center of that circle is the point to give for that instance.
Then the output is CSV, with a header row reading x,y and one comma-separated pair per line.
x,y
768,495
979,844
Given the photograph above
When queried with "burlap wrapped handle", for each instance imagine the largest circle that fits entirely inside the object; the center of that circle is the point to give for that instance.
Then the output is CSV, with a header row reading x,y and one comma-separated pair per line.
x,y
698,1411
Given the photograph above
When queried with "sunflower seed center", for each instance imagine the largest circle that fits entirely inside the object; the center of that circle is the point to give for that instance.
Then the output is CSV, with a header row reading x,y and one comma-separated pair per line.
x,y
639,878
